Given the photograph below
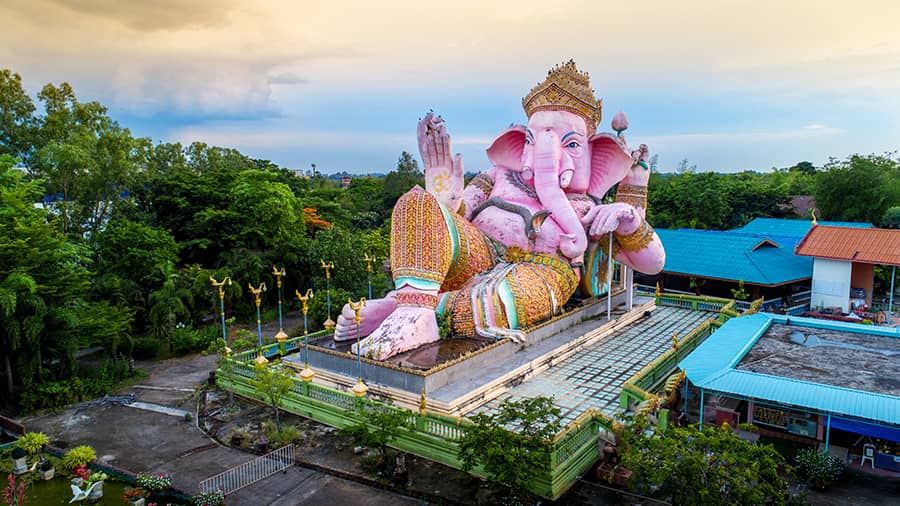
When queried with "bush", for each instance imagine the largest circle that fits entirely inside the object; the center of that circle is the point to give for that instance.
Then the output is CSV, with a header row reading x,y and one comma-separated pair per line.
x,y
78,457
145,348
187,340
287,435
216,498
153,482
32,442
50,394
820,469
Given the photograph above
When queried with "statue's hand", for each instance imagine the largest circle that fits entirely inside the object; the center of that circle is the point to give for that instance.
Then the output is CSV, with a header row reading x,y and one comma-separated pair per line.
x,y
619,217
443,171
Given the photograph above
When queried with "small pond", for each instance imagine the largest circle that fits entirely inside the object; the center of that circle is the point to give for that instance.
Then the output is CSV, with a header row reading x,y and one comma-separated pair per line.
x,y
59,491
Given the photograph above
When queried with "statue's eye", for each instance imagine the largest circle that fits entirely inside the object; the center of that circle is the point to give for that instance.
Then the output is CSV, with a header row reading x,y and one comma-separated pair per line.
x,y
572,144
528,141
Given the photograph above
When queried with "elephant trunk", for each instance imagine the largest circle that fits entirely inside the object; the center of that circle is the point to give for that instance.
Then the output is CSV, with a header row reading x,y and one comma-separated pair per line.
x,y
548,157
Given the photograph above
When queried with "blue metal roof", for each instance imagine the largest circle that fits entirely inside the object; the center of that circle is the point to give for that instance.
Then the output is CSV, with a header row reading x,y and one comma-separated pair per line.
x,y
778,228
712,366
730,256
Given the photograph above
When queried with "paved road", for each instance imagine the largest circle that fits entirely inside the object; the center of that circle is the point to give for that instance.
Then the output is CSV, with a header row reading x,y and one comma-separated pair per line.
x,y
154,441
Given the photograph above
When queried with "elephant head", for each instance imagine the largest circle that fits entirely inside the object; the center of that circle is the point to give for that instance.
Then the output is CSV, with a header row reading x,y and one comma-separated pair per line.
x,y
555,154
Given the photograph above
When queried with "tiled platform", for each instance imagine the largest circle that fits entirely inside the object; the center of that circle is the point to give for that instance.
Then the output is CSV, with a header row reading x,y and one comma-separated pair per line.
x,y
593,378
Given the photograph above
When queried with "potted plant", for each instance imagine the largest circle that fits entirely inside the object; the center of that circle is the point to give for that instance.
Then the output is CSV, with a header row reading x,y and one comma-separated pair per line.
x,y
81,474
95,485
153,482
134,496
45,469
18,461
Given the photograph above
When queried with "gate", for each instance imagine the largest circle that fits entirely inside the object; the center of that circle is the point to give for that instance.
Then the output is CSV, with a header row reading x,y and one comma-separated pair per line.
x,y
250,472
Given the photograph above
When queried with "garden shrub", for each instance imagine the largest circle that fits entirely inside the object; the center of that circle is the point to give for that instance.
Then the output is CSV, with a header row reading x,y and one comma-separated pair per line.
x,y
50,394
188,340
145,348
820,469
32,442
287,435
78,457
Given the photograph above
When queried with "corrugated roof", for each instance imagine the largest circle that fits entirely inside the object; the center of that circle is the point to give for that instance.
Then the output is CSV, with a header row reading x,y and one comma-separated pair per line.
x,y
777,228
872,245
712,366
730,256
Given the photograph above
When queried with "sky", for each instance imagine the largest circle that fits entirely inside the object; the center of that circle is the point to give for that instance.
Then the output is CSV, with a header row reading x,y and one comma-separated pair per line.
x,y
729,85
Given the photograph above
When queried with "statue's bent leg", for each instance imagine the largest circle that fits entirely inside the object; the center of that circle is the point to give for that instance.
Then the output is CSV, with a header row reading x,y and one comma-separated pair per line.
x,y
512,296
432,249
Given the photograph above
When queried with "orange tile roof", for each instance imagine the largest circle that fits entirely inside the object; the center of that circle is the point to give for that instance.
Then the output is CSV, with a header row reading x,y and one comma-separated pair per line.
x,y
866,245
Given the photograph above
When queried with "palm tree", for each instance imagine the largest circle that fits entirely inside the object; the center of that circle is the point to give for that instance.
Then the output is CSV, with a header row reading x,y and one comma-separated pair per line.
x,y
167,304
23,313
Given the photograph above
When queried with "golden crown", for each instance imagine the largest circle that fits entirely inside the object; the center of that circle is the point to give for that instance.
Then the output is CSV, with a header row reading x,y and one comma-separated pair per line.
x,y
566,89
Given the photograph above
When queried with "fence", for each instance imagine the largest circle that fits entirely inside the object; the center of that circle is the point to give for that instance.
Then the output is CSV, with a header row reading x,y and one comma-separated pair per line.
x,y
572,452
250,472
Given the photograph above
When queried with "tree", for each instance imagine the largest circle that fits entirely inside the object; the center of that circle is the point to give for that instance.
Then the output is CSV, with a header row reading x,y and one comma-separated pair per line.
x,y
170,302
860,188
16,116
272,383
891,218
380,426
399,181
511,444
709,467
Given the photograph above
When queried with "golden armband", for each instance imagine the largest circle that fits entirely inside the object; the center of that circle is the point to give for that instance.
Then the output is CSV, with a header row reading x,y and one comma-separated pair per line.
x,y
632,194
637,240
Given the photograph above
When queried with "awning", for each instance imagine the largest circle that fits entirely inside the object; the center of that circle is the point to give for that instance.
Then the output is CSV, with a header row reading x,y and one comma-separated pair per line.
x,y
868,429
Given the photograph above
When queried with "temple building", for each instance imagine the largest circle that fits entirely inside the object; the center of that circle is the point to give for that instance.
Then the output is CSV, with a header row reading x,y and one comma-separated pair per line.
x,y
826,383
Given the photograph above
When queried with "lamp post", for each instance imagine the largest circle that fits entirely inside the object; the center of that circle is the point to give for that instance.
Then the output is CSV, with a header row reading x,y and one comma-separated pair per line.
x,y
329,324
221,286
369,260
281,336
257,292
306,374
360,389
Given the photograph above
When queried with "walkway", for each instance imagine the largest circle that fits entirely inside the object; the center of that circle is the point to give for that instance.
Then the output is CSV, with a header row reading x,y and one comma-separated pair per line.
x,y
141,440
593,378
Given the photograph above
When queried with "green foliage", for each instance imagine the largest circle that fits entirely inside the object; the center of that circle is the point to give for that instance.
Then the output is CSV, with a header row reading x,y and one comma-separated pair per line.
x,y
77,457
818,468
32,442
273,383
188,340
380,425
860,188
145,348
709,467
739,293
216,498
287,435
511,444
891,218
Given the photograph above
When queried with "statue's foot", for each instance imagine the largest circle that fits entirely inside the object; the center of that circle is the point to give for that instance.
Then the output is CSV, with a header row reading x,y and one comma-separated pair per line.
x,y
371,316
406,328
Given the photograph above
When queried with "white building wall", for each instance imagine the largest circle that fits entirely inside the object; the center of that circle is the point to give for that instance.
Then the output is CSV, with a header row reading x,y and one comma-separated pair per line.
x,y
831,284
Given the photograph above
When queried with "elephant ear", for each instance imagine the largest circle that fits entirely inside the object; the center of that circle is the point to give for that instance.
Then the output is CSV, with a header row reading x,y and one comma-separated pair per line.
x,y
610,162
506,150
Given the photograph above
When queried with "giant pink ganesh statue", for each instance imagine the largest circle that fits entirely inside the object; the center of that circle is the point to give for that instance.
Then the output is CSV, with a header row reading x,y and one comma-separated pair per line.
x,y
510,249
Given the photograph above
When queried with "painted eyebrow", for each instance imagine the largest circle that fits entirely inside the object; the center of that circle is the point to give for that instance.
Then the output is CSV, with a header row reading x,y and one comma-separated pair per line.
x,y
564,137
529,132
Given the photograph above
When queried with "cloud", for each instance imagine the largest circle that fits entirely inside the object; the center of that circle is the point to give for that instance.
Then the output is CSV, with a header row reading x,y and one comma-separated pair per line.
x,y
152,15
807,131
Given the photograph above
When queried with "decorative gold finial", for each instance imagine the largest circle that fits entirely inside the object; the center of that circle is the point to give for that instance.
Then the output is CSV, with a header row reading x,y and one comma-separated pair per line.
x,y
658,290
812,212
369,260
327,267
566,89
675,341
423,407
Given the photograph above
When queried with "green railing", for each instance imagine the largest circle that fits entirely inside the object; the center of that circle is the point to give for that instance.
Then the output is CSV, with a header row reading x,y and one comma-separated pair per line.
x,y
572,452
434,436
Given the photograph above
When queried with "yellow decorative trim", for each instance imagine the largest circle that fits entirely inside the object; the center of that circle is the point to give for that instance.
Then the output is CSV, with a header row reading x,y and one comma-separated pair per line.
x,y
637,240
566,89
